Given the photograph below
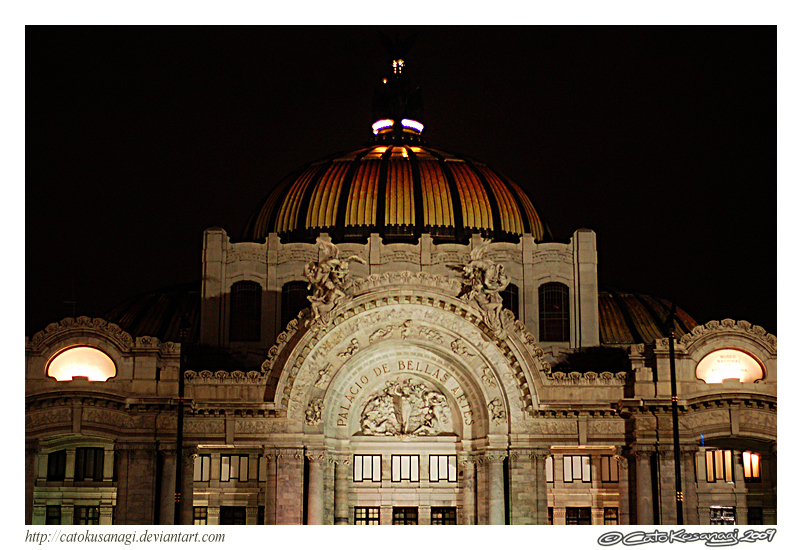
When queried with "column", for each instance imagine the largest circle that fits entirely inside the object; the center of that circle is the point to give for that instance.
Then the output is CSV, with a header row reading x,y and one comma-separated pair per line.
x,y
690,509
342,475
290,487
495,485
624,514
541,488
314,504
186,517
643,489
271,456
167,487
468,490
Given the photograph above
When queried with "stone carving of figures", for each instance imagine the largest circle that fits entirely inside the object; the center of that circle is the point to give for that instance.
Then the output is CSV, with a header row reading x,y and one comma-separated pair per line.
x,y
483,282
496,409
328,280
406,408
381,333
352,348
314,411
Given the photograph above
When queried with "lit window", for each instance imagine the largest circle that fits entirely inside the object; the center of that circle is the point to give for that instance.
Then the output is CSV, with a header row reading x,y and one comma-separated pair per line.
x,y
577,515
442,468
751,466
366,515
234,468
405,515
576,468
203,464
722,515
200,515
553,312
444,515
726,364
719,465
405,468
89,464
367,468
86,515
246,312
81,361
611,516
609,468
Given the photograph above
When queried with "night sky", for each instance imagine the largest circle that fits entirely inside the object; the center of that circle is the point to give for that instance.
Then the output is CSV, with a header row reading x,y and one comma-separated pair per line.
x,y
661,140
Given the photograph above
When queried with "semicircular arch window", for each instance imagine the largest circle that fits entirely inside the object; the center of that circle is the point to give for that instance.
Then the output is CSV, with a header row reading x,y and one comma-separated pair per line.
x,y
728,364
85,361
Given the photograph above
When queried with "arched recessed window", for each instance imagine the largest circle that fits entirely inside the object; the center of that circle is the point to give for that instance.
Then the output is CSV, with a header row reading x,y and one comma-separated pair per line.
x,y
728,364
553,312
293,300
81,361
246,312
509,299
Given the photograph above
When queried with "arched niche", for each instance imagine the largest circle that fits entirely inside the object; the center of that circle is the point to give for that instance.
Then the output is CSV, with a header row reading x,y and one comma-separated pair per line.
x,y
728,364
81,361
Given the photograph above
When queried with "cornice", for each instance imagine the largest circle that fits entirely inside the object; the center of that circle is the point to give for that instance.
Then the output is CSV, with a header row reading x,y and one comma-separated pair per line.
x,y
725,327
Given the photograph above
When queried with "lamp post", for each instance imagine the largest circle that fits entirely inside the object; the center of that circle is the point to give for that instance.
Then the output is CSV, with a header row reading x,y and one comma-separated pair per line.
x,y
675,413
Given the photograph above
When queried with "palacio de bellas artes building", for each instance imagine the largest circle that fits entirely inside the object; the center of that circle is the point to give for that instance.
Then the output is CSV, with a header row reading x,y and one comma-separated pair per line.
x,y
396,338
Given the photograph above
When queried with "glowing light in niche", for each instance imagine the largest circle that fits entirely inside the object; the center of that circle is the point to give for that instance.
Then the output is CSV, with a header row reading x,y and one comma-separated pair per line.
x,y
383,124
81,361
726,364
412,124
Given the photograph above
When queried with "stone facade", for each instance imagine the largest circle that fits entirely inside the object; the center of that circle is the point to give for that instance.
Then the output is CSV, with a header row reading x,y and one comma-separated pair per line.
x,y
406,399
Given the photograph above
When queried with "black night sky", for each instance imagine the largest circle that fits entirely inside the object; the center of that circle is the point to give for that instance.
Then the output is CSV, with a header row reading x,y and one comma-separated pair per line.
x,y
663,140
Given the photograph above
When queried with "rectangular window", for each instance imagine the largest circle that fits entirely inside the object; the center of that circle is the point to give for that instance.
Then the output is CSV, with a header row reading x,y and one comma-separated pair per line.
x,y
577,516
611,516
200,515
549,469
751,466
442,468
56,465
88,464
367,467
609,469
53,515
444,515
203,464
234,468
719,465
262,468
366,515
722,515
754,515
232,515
405,468
260,515
576,468
550,518
86,515
405,515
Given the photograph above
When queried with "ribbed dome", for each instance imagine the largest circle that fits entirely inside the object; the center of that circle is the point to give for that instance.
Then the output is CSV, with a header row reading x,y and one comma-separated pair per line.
x,y
399,191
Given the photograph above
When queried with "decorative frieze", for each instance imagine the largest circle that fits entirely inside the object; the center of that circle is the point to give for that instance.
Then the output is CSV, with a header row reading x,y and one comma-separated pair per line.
x,y
726,326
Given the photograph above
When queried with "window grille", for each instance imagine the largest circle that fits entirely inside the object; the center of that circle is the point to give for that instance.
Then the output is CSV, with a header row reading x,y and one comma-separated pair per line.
x,y
610,516
405,515
609,469
200,515
553,312
719,465
293,301
405,468
89,464
367,468
444,515
234,468
366,515
722,515
577,516
246,312
232,515
442,468
203,464
53,515
86,515
576,468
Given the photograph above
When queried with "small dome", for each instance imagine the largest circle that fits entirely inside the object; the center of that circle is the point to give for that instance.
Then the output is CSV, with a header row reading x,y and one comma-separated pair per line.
x,y
626,318
399,190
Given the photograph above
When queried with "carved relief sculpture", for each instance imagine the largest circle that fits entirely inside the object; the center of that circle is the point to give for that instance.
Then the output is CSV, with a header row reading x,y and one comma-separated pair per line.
x,y
328,280
314,411
483,280
404,407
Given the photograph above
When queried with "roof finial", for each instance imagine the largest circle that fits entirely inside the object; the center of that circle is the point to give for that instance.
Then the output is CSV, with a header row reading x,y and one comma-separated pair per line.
x,y
397,105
